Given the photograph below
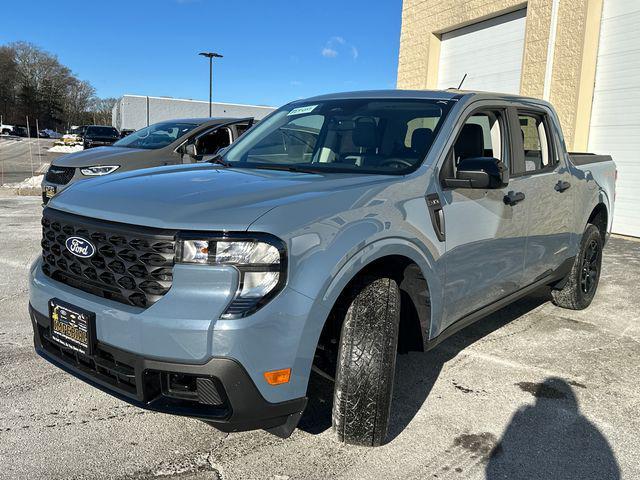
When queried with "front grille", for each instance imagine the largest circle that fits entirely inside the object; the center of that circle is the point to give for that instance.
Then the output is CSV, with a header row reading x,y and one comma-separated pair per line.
x,y
60,175
131,265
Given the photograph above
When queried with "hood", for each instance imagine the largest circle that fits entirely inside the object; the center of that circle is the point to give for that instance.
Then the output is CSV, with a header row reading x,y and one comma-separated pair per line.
x,y
198,197
98,156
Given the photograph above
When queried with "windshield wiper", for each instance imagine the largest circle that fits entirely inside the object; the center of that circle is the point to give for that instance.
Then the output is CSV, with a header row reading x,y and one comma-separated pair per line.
x,y
220,161
286,168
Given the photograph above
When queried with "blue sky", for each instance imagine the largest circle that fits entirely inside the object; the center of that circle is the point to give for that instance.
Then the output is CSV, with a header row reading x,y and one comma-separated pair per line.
x,y
275,51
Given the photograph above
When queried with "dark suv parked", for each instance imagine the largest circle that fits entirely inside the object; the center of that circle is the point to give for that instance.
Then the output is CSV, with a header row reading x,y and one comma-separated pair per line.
x,y
99,136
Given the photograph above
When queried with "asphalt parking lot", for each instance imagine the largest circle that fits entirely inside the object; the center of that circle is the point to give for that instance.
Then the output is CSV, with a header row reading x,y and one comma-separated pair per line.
x,y
20,156
532,392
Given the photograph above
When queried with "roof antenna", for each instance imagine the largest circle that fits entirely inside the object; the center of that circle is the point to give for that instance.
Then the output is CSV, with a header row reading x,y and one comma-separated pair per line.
x,y
462,81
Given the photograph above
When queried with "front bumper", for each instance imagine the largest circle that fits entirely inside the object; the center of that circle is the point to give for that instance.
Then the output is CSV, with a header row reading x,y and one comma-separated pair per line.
x,y
223,393
184,327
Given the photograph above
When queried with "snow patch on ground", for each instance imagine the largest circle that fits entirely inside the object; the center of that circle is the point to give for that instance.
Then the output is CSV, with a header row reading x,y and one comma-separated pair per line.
x,y
66,148
31,182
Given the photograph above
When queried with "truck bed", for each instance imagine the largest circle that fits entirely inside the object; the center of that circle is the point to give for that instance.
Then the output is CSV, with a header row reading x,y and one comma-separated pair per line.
x,y
580,158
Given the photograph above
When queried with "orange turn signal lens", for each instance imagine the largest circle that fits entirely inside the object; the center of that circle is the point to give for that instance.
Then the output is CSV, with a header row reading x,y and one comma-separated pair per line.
x,y
278,377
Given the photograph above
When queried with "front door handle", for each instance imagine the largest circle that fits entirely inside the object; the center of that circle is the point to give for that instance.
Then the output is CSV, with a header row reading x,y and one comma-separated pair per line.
x,y
561,186
512,198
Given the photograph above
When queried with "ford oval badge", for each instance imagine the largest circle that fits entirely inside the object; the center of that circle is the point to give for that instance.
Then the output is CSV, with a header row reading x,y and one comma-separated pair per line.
x,y
80,247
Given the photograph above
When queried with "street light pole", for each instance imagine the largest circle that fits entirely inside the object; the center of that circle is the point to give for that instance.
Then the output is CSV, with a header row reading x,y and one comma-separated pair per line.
x,y
210,56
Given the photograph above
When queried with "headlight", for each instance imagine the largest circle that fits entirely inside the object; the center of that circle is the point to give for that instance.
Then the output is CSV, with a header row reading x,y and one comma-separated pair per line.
x,y
261,261
99,170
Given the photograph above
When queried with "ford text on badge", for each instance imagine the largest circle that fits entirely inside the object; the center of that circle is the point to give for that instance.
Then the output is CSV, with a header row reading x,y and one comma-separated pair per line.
x,y
80,247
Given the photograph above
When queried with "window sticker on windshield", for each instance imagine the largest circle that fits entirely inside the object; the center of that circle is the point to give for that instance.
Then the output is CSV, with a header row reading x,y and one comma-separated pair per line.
x,y
299,110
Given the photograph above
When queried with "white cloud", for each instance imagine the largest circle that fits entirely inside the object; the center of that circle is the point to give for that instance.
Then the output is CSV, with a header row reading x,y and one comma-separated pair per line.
x,y
335,45
329,52
295,83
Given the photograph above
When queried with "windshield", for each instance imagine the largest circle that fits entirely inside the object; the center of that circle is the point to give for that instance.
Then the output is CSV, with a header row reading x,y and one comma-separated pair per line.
x,y
155,136
101,132
359,136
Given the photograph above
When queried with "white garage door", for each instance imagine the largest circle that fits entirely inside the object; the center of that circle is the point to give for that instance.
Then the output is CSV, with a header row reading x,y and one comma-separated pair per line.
x,y
615,118
489,52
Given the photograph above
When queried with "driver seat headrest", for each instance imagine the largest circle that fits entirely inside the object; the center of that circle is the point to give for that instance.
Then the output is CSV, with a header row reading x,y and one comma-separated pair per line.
x,y
421,139
365,133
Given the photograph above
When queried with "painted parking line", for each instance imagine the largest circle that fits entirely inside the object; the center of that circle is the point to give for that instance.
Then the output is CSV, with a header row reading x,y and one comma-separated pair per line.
x,y
24,143
6,143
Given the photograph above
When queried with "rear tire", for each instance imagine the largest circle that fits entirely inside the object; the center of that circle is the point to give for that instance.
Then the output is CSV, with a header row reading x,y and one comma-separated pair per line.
x,y
366,362
582,282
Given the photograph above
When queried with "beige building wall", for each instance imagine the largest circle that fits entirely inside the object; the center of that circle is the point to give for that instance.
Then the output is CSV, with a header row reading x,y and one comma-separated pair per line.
x,y
574,51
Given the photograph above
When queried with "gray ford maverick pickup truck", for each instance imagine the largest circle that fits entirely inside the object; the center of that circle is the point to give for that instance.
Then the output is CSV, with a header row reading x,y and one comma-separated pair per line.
x,y
339,231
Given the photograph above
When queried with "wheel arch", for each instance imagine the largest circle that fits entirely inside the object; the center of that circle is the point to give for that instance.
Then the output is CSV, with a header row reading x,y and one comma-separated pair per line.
x,y
599,217
416,276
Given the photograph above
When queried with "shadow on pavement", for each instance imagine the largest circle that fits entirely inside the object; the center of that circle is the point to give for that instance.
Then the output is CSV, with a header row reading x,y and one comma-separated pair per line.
x,y
416,373
548,440
552,440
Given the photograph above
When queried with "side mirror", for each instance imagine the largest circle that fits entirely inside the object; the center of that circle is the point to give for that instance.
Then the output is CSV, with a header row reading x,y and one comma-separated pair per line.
x,y
479,172
190,149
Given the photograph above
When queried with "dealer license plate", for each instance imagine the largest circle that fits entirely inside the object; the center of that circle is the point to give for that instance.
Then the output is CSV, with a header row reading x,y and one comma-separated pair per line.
x,y
49,191
71,326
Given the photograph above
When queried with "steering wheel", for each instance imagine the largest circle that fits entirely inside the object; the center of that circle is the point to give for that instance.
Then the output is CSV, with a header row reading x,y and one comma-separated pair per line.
x,y
398,162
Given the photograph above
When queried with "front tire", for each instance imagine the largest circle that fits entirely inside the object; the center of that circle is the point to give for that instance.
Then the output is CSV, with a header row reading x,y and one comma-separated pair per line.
x,y
582,282
366,363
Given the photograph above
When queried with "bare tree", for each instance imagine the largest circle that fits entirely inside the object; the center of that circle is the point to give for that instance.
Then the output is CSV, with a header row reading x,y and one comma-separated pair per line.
x,y
80,96
41,84
34,83
102,108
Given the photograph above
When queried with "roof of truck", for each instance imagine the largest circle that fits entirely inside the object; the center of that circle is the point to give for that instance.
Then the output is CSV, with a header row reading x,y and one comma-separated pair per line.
x,y
202,120
450,94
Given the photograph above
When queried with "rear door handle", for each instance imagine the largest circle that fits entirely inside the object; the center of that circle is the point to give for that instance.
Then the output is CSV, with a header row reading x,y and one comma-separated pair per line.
x,y
561,186
512,198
